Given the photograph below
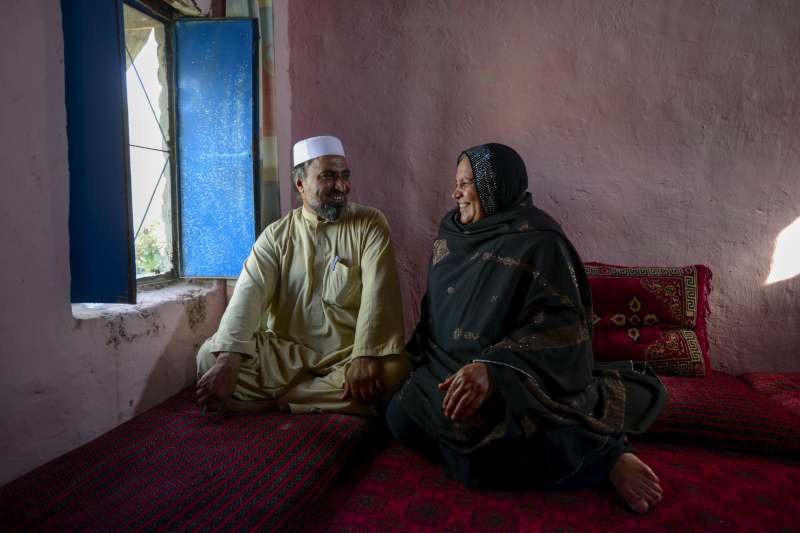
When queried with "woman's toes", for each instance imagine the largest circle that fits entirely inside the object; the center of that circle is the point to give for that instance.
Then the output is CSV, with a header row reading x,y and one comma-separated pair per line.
x,y
639,505
636,483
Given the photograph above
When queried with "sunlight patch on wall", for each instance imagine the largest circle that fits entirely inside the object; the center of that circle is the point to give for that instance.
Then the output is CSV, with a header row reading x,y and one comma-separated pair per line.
x,y
786,258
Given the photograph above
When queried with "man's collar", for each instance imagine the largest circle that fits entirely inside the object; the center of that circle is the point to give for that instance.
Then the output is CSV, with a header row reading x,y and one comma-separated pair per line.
x,y
309,215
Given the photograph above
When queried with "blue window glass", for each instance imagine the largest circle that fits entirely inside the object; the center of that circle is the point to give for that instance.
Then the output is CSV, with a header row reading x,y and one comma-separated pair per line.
x,y
216,88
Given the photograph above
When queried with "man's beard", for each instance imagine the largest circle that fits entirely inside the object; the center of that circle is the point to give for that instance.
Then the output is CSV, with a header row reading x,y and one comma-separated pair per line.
x,y
330,211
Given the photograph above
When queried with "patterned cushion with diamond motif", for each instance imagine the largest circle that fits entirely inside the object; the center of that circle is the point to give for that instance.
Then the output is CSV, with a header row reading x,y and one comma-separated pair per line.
x,y
653,314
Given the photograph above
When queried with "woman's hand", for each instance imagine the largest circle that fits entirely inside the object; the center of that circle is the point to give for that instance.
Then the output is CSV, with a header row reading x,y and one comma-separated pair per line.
x,y
467,389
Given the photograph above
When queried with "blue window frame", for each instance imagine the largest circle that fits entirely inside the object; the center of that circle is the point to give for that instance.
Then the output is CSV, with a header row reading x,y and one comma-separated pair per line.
x,y
216,142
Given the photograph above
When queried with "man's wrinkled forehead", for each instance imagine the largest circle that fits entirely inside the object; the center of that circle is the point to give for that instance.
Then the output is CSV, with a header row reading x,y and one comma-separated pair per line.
x,y
335,163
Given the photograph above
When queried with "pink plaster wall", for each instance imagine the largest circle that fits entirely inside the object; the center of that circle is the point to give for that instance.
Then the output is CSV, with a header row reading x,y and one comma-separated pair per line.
x,y
64,380
661,132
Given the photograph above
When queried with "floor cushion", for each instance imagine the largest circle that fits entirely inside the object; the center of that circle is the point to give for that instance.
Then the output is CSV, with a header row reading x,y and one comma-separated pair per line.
x,y
397,489
724,412
173,468
653,314
780,388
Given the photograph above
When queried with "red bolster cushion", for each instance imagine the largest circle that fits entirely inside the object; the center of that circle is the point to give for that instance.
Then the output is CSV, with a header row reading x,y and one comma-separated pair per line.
x,y
723,412
781,388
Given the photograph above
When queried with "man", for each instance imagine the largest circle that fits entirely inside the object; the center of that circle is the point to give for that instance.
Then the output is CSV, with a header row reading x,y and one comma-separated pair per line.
x,y
315,321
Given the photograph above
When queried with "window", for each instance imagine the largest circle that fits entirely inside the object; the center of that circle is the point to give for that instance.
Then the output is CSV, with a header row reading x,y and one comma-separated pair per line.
x,y
150,144
162,129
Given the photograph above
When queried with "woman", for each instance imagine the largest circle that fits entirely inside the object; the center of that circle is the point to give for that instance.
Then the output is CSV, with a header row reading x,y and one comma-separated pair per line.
x,y
506,391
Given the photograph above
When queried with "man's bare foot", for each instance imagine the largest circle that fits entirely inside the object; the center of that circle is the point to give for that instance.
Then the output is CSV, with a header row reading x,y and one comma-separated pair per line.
x,y
219,382
636,483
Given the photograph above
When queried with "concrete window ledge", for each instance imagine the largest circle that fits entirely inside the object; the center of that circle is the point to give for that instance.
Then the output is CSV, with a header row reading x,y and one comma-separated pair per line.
x,y
140,354
167,321
180,291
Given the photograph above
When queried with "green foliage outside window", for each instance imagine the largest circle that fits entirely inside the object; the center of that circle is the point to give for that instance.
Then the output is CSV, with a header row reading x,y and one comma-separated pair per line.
x,y
151,252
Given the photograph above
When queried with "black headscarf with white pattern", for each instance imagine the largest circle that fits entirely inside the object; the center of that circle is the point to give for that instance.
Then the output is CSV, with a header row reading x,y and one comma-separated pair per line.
x,y
500,175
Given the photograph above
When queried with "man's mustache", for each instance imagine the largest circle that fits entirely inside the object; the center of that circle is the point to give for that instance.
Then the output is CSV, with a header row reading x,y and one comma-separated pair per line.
x,y
335,197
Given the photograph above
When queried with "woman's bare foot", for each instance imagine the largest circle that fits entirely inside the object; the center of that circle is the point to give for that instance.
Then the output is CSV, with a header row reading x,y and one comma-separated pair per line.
x,y
636,483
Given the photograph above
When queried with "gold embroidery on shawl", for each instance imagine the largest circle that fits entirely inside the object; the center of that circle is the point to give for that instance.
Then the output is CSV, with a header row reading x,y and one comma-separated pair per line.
x,y
466,335
505,261
611,415
440,250
512,262
572,274
562,337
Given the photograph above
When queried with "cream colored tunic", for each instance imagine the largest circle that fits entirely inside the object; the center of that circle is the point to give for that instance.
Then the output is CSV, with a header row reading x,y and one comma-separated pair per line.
x,y
312,295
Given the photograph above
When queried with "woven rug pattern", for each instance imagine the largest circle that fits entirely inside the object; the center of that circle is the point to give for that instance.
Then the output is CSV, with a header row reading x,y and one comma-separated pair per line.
x,y
704,491
173,469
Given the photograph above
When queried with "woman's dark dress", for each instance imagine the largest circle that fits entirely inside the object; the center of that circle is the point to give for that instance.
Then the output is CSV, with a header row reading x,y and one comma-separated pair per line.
x,y
510,291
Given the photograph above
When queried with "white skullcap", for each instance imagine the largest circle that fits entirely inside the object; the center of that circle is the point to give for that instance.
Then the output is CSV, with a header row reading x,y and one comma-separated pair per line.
x,y
314,147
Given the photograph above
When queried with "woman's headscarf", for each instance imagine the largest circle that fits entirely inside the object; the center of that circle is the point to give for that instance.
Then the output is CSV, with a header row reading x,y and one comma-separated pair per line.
x,y
500,175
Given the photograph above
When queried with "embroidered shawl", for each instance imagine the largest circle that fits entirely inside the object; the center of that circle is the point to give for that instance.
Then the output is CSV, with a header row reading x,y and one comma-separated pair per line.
x,y
510,290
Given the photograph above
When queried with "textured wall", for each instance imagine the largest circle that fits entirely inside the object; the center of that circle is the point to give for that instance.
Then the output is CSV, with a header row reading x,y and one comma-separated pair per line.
x,y
65,380
659,132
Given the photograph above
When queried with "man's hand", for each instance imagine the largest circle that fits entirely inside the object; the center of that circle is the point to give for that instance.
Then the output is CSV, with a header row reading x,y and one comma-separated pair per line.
x,y
220,380
362,380
467,389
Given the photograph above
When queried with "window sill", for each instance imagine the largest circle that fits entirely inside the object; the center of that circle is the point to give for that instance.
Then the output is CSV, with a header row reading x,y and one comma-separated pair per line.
x,y
148,298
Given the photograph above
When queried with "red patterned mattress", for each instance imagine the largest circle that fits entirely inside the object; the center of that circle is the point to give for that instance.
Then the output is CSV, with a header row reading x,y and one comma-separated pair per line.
x,y
173,469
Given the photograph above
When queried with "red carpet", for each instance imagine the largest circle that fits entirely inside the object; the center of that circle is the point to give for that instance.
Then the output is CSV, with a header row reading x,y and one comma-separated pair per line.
x,y
704,491
172,469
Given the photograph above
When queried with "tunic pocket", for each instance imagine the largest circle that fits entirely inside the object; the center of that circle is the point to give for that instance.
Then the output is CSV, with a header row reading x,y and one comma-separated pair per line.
x,y
343,286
